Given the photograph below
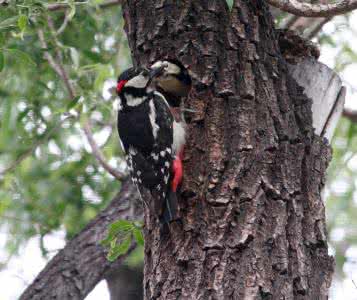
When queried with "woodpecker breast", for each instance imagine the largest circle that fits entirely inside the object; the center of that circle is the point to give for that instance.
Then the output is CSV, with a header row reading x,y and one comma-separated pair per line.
x,y
179,139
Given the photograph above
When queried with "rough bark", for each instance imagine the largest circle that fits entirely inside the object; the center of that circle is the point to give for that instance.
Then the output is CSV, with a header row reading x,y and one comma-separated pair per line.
x,y
125,283
82,263
253,222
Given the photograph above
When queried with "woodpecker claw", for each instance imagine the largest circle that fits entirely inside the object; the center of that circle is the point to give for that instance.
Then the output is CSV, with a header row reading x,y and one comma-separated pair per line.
x,y
189,110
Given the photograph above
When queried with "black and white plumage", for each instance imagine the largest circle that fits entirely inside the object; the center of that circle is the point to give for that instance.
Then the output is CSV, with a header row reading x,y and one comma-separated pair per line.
x,y
145,126
174,83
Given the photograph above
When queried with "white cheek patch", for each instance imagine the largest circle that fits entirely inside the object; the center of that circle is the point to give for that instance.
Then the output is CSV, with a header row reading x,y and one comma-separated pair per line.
x,y
158,64
139,82
172,69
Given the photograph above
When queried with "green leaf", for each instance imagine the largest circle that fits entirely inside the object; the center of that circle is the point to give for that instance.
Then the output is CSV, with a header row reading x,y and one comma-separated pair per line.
x,y
2,39
22,22
97,2
2,61
9,22
22,56
74,56
138,235
121,227
117,250
23,114
73,103
102,75
230,4
95,57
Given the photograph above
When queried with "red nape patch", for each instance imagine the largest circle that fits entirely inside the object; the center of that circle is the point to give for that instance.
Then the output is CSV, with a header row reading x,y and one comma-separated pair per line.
x,y
120,85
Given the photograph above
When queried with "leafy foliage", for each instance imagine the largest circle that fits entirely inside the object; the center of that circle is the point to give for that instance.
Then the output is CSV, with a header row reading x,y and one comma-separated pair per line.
x,y
120,236
49,179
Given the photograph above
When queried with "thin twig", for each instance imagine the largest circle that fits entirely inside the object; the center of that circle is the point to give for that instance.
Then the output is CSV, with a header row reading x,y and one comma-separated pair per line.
x,y
354,284
29,151
98,154
61,6
305,9
58,67
318,28
64,24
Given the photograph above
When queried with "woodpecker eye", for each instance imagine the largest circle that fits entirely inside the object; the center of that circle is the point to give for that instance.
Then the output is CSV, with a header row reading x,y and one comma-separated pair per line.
x,y
120,85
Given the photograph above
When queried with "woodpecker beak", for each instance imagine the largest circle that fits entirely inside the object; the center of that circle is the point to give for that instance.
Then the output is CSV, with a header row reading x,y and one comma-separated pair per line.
x,y
156,71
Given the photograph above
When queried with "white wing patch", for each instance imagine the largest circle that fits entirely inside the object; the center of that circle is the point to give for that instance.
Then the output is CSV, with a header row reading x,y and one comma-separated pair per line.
x,y
152,116
155,156
132,151
121,144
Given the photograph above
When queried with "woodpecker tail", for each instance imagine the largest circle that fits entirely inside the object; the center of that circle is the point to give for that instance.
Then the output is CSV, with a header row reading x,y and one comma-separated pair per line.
x,y
170,208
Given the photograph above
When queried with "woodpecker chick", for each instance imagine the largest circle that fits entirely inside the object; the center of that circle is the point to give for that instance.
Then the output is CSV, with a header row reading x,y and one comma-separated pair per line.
x,y
174,83
145,127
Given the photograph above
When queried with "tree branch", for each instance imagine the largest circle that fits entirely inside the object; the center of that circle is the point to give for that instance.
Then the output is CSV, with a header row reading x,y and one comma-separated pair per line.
x,y
28,152
59,69
318,27
82,263
314,10
98,154
56,66
62,6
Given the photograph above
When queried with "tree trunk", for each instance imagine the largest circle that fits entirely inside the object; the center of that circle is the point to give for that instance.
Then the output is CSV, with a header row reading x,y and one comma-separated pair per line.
x,y
253,222
125,283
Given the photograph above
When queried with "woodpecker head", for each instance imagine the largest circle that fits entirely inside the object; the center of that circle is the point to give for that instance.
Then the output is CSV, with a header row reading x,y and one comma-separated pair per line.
x,y
174,80
133,84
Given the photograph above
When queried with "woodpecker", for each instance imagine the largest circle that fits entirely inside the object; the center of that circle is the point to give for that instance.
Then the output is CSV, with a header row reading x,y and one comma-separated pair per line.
x,y
174,83
145,126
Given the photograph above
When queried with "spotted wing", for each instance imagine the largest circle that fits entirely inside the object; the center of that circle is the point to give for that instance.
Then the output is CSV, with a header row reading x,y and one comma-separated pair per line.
x,y
150,166
162,152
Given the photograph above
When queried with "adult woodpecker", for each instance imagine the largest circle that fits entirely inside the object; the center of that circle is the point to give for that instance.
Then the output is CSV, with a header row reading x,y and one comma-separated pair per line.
x,y
145,127
174,83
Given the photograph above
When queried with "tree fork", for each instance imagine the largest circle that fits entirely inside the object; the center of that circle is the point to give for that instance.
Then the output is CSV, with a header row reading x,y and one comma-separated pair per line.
x,y
252,214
